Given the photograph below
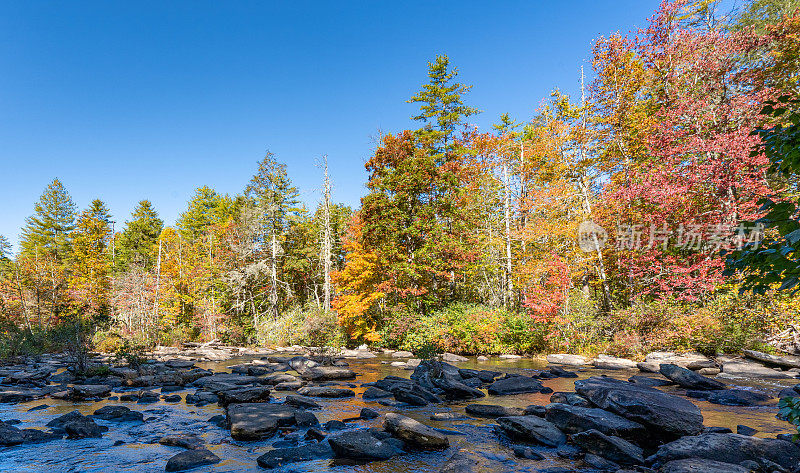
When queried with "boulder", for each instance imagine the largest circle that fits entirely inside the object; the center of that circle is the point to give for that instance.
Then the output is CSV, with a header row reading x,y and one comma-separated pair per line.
x,y
258,421
361,445
191,459
748,369
16,395
302,402
327,373
609,447
468,461
367,413
574,419
606,362
453,358
284,456
410,397
569,398
325,391
515,385
83,391
729,448
189,442
491,411
10,435
375,393
689,379
277,378
454,389
701,465
648,381
77,426
532,429
772,360
692,361
243,395
565,359
732,397
402,354
413,433
663,414
118,414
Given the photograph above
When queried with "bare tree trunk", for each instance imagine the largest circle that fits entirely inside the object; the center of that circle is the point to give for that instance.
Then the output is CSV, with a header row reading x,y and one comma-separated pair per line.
x,y
326,237
158,282
273,295
507,236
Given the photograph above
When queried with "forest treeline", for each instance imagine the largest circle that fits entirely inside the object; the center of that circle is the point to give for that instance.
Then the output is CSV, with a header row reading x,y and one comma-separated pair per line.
x,y
602,223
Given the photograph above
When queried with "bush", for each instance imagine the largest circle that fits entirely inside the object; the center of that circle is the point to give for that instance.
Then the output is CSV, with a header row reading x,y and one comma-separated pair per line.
x,y
308,325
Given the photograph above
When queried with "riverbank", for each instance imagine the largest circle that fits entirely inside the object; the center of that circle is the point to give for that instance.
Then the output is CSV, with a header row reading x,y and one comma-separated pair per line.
x,y
243,409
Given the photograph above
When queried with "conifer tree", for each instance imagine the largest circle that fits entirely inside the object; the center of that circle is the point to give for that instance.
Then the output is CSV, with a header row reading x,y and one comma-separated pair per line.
x,y
48,230
139,238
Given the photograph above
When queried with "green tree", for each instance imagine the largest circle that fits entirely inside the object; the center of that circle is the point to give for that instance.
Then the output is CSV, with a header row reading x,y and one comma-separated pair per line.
x,y
49,229
138,240
206,208
89,279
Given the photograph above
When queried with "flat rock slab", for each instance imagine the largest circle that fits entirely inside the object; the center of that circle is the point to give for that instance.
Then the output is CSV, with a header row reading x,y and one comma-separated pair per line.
x,y
748,369
326,392
491,411
16,395
324,373
606,362
574,419
566,359
729,448
782,361
732,397
191,459
285,456
665,414
361,445
701,465
532,429
413,433
242,395
258,421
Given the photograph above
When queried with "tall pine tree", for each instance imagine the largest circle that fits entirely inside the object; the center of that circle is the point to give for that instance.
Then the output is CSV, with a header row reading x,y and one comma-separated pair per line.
x,y
49,230
138,240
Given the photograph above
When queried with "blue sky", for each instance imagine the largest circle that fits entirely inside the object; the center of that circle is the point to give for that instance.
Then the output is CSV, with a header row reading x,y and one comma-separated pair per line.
x,y
149,100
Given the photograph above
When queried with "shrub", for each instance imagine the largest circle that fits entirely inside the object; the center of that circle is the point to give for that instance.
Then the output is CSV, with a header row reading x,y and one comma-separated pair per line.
x,y
301,326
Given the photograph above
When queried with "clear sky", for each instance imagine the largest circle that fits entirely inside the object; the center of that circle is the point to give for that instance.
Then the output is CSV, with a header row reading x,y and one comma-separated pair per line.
x,y
126,101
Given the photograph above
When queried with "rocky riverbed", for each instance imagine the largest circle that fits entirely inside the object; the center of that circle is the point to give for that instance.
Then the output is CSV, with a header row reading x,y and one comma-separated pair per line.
x,y
229,409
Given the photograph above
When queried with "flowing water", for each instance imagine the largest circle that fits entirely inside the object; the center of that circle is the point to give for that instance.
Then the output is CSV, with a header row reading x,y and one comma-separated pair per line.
x,y
133,447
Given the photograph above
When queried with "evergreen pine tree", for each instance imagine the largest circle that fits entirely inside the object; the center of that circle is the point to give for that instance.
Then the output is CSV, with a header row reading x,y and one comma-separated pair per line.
x,y
137,243
49,229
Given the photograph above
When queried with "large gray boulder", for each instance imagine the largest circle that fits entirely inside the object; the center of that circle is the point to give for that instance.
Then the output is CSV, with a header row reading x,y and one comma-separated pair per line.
x,y
611,448
748,369
10,435
258,421
284,456
532,429
242,395
361,445
325,391
191,459
515,385
689,379
607,362
491,411
663,414
574,419
413,433
327,373
566,359
772,360
729,448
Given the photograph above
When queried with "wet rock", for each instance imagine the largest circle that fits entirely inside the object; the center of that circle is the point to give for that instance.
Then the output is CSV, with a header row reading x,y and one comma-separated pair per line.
x,y
10,435
191,459
38,436
258,421
409,397
701,465
732,397
606,362
305,419
327,373
467,461
600,463
361,445
325,391
285,456
218,420
201,398
745,430
749,369
83,427
367,413
728,448
302,402
243,395
170,389
689,379
118,414
569,398
172,398
515,385
375,393
413,433
333,425
663,414
772,360
179,364
447,416
485,376
574,419
492,411
522,451
147,397
611,448
189,442
648,381
277,378
289,386
454,389
717,430
561,372
565,359
314,434
16,395
84,391
402,354
532,429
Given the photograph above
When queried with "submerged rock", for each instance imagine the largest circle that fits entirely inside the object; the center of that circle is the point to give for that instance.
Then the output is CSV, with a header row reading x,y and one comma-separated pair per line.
x,y
732,397
258,421
284,456
10,435
609,447
189,442
492,411
515,385
361,445
118,414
